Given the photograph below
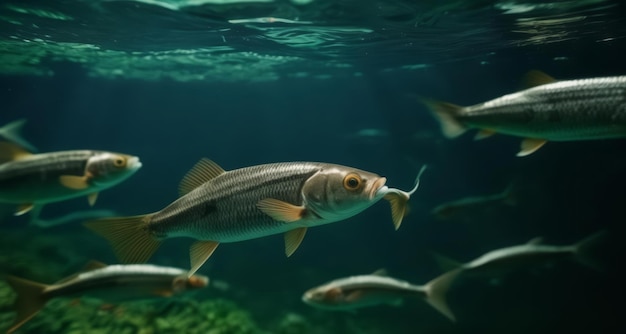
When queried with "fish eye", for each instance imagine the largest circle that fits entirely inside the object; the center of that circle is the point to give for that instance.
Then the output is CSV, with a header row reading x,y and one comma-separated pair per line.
x,y
119,162
352,181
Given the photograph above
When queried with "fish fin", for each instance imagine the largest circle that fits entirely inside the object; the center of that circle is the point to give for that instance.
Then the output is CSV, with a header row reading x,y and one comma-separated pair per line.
x,y
163,292
74,182
509,195
484,133
23,209
280,210
445,263
30,300
437,289
399,205
11,152
130,238
354,296
91,198
12,131
203,171
199,252
584,250
93,265
380,272
536,78
446,114
535,241
293,239
530,145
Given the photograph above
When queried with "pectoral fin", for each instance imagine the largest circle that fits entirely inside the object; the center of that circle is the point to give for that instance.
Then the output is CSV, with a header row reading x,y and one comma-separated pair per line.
x,y
199,252
24,208
293,239
530,145
484,133
281,211
74,182
399,205
91,198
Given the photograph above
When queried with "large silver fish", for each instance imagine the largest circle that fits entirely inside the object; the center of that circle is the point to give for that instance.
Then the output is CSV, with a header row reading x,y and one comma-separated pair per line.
x,y
354,292
30,180
551,110
218,206
110,283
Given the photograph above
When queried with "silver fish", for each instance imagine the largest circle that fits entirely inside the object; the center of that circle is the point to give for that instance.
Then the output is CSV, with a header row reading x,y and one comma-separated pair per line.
x,y
110,283
30,180
551,110
470,206
218,206
354,292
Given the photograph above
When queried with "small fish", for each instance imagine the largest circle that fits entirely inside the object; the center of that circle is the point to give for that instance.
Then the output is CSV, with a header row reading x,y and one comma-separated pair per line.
x,y
351,293
11,132
469,206
31,180
227,206
551,110
507,259
109,283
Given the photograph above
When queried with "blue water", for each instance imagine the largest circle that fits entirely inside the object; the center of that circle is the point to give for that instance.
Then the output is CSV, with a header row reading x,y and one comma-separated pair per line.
x,y
257,82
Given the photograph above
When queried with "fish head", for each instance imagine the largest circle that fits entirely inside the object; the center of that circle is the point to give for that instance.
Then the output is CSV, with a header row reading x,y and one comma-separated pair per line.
x,y
184,283
108,168
338,192
326,296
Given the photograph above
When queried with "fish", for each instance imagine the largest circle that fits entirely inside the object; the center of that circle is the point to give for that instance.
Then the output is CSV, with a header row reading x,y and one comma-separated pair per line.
x,y
111,283
550,110
11,132
508,259
468,206
217,206
32,180
355,292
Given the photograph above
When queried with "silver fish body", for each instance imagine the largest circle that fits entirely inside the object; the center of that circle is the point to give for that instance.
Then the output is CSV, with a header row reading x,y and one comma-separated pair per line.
x,y
582,109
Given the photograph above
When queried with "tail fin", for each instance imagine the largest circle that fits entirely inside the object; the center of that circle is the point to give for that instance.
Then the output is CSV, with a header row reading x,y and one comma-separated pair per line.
x,y
30,300
437,289
446,114
11,132
509,195
584,250
132,242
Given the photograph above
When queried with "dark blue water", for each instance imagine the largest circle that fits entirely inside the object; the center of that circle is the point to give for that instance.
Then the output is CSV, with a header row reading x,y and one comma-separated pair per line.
x,y
251,83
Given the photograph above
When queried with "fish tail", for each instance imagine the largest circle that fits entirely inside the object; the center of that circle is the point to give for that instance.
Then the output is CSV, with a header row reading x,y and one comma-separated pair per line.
x,y
447,115
11,132
437,289
509,195
130,237
29,301
584,250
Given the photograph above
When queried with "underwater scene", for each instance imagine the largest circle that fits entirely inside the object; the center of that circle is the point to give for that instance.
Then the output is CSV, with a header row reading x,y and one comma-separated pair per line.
x,y
312,166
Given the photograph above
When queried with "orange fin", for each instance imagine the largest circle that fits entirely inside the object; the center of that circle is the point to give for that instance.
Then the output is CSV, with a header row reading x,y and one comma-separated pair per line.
x,y
24,208
199,252
281,211
203,171
11,152
130,238
530,145
30,300
74,182
447,115
293,239
484,133
399,205
91,198
536,78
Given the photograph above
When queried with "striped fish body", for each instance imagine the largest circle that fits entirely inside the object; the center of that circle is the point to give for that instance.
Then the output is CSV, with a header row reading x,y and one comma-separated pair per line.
x,y
561,111
36,179
225,208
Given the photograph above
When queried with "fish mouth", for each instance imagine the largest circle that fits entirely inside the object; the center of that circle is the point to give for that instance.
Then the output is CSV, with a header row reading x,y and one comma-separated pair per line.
x,y
378,184
133,163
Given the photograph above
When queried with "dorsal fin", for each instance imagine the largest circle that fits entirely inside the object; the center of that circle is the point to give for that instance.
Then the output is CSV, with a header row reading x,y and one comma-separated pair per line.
x,y
10,152
536,78
380,272
93,265
535,241
200,173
